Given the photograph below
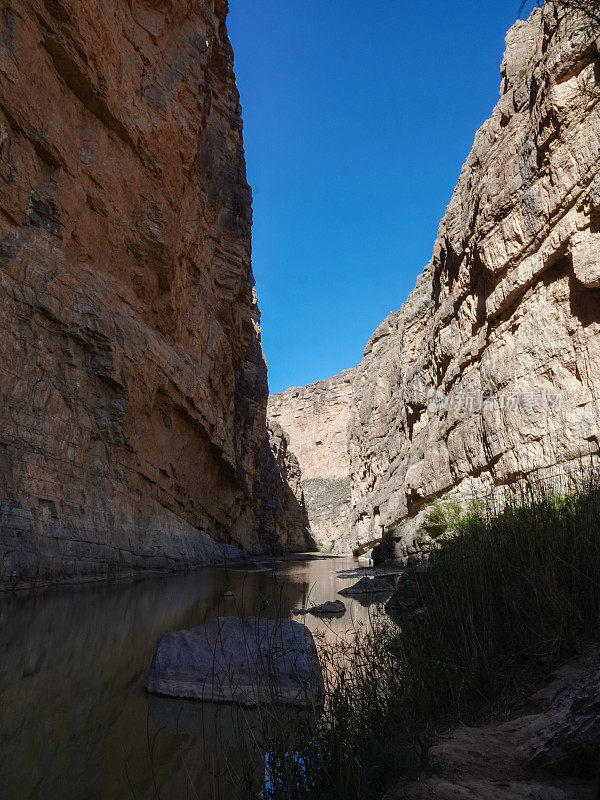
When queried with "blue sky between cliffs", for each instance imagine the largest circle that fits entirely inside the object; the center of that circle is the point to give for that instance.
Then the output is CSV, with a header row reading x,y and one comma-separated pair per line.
x,y
357,119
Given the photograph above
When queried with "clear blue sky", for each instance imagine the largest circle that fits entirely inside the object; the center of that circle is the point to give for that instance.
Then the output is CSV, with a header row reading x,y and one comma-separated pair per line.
x,y
358,115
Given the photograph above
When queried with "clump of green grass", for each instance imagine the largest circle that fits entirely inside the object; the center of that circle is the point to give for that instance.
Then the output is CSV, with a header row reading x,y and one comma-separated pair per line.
x,y
446,516
442,516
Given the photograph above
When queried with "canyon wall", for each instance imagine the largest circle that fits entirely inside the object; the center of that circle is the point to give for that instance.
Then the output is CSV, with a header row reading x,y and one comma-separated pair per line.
x,y
279,489
133,385
490,373
315,418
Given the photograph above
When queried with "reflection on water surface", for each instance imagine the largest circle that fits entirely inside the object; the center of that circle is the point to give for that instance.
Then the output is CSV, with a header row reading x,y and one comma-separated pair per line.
x,y
75,722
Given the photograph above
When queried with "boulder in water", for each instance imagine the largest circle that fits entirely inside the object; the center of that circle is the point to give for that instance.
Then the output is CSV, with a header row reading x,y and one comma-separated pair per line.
x,y
248,661
366,585
332,608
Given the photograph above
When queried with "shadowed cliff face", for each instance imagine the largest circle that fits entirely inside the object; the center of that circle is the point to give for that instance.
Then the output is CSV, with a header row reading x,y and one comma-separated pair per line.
x,y
490,372
133,388
282,511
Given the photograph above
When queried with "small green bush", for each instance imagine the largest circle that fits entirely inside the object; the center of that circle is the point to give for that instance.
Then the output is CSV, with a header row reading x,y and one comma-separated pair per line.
x,y
446,516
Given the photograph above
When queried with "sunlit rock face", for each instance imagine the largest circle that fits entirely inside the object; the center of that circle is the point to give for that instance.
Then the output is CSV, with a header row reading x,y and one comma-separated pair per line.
x,y
490,372
315,419
133,385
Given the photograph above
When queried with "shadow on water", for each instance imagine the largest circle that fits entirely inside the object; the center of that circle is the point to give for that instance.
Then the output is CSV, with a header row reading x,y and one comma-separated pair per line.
x,y
230,745
75,720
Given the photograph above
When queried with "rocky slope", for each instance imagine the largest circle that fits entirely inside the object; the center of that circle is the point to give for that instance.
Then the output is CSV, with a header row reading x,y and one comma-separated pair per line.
x,y
315,418
490,373
133,390
545,749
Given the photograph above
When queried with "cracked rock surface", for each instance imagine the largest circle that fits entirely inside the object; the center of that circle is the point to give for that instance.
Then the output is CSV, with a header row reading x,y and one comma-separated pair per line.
x,y
133,385
490,372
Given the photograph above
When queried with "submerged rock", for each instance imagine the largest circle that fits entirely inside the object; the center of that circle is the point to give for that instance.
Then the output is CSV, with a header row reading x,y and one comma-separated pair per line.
x,y
329,609
366,585
227,725
247,661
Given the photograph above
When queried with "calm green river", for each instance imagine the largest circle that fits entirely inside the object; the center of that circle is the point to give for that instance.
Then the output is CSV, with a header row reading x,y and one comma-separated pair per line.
x,y
75,721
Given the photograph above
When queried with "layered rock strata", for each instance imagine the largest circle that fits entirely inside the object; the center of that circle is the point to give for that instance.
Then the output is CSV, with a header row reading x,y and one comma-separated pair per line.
x,y
133,386
489,375
315,419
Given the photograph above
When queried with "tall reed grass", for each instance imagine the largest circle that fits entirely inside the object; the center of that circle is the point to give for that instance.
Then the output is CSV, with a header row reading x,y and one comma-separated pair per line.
x,y
505,598
506,594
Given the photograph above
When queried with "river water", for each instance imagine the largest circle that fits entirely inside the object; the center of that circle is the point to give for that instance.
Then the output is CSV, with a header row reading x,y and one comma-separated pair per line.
x,y
75,721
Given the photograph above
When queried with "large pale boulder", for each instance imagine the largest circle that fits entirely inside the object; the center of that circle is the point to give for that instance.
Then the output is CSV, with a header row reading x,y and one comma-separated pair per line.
x,y
248,661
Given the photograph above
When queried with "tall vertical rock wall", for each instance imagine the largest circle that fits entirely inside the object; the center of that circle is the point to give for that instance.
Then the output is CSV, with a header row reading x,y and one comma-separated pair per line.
x,y
315,418
133,385
279,488
490,373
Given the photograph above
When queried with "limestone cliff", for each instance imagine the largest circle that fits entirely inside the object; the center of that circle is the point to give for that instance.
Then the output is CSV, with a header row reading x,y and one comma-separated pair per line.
x,y
490,373
315,418
133,385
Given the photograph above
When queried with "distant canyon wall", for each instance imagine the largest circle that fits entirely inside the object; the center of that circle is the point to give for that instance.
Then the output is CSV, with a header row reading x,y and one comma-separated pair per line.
x,y
133,388
489,375
315,419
